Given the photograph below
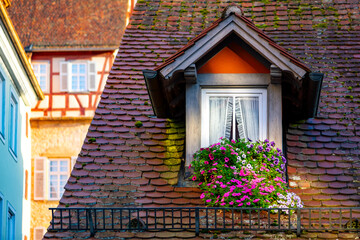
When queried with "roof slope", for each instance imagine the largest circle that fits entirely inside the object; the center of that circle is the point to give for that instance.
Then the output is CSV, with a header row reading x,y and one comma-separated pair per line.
x,y
124,165
75,23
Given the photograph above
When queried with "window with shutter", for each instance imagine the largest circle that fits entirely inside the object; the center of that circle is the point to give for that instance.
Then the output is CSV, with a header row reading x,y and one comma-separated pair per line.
x,y
39,233
40,178
78,76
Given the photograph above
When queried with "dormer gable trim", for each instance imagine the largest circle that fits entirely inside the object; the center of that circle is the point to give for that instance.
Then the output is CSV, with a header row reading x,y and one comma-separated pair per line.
x,y
197,48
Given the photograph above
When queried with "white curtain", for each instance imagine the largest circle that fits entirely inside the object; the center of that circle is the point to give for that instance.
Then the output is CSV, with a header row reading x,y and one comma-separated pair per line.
x,y
221,110
247,117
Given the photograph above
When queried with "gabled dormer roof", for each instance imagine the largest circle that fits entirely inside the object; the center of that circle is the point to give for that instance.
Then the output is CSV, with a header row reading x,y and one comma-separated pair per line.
x,y
166,82
245,29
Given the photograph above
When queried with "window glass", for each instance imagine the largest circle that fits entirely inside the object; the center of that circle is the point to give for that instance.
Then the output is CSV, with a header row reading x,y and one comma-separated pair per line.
x,y
13,125
233,114
41,72
78,77
58,175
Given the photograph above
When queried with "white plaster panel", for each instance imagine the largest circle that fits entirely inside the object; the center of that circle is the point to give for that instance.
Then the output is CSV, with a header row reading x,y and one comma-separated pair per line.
x,y
56,64
56,83
58,101
84,99
99,61
44,103
72,113
37,114
73,102
56,114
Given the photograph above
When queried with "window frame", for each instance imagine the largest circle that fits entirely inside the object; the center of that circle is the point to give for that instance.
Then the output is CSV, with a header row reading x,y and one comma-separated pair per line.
x,y
57,173
90,76
13,124
2,106
78,75
10,233
206,93
47,74
1,212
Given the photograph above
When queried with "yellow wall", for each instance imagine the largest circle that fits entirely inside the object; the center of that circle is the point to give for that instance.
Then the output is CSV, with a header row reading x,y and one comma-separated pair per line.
x,y
53,138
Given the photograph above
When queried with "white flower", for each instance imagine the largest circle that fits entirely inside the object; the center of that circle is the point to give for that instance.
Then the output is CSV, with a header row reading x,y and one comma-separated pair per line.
x,y
238,158
243,162
244,156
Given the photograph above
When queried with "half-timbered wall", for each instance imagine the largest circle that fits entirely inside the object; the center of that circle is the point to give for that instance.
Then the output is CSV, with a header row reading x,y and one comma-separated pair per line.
x,y
67,103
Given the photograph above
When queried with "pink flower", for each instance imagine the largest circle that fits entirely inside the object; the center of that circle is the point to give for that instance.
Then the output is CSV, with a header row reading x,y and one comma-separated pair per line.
x,y
215,164
240,204
202,196
208,200
211,156
226,159
219,176
222,204
231,203
206,162
202,172
248,203
223,148
194,178
200,183
256,200
189,166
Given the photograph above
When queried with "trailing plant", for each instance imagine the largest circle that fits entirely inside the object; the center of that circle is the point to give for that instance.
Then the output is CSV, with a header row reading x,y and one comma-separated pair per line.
x,y
243,174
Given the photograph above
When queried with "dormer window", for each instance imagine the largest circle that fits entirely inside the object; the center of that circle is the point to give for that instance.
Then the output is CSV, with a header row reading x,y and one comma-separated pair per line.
x,y
233,113
233,81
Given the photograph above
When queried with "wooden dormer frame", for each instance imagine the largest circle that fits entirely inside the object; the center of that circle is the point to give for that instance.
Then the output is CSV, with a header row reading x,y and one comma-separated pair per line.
x,y
238,25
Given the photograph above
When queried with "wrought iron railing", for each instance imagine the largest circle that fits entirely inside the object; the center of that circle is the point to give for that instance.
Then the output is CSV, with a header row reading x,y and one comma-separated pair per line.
x,y
206,219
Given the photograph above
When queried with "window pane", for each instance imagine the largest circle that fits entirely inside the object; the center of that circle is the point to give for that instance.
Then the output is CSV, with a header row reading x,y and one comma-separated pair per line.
x,y
64,166
82,83
42,68
53,166
74,83
247,117
220,118
82,68
74,68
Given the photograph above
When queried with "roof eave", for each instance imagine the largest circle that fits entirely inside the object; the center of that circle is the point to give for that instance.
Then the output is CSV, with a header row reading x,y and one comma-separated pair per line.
x,y
21,53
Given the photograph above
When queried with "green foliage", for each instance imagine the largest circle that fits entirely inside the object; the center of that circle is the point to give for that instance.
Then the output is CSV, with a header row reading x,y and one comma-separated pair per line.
x,y
138,124
91,140
243,174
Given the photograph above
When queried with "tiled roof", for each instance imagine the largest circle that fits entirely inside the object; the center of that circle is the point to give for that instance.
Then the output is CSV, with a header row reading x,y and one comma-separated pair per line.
x,y
126,165
66,24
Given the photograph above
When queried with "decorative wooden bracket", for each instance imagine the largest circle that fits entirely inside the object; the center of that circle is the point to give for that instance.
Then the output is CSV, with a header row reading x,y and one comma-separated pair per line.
x,y
190,74
275,74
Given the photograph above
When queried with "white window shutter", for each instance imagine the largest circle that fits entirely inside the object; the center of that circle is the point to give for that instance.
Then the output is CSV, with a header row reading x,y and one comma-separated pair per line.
x,y
73,161
40,178
64,76
39,233
92,76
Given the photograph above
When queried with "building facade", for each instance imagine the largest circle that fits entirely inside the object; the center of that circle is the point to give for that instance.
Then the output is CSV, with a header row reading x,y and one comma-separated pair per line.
x,y
19,92
71,56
